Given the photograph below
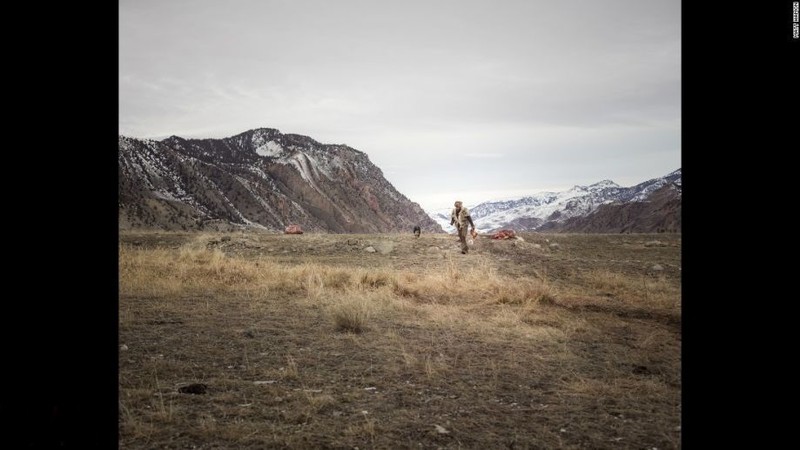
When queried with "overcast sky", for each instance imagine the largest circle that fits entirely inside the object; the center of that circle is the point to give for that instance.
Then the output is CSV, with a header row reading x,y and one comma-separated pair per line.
x,y
472,100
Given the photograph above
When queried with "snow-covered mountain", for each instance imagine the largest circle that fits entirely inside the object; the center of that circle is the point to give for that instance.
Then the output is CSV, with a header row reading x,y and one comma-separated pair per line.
x,y
552,210
260,178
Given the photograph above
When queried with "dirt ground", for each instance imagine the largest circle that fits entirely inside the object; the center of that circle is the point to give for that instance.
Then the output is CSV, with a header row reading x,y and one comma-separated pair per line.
x,y
573,343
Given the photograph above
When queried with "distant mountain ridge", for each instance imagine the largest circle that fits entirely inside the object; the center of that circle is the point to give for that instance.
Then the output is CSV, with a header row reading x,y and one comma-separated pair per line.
x,y
592,208
259,178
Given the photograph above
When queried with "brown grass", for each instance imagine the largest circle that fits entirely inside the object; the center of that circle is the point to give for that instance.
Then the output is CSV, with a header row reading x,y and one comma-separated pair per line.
x,y
352,313
500,352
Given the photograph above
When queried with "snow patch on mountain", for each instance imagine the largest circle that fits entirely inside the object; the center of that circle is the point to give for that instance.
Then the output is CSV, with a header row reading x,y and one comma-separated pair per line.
x,y
548,207
270,149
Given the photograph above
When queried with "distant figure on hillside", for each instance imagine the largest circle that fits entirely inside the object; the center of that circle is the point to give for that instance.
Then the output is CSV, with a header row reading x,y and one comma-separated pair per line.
x,y
417,230
460,217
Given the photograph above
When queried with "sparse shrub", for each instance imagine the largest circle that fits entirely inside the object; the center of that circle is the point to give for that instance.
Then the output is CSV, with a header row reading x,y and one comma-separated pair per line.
x,y
404,290
366,429
431,289
338,279
507,292
408,358
314,285
351,315
319,403
608,281
547,300
290,371
375,280
452,270
430,368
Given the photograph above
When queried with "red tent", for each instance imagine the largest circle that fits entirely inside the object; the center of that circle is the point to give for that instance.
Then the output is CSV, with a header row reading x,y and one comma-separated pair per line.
x,y
293,229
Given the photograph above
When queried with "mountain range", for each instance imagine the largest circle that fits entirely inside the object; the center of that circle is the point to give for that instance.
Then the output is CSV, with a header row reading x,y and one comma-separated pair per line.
x,y
260,178
603,207
265,179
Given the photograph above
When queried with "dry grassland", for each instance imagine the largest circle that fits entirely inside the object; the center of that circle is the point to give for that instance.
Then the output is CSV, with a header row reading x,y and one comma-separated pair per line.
x,y
314,341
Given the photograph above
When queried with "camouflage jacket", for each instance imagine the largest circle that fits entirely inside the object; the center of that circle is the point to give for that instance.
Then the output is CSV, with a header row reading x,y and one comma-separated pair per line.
x,y
460,219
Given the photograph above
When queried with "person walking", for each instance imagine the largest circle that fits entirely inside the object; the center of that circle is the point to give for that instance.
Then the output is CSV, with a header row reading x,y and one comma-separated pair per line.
x,y
460,217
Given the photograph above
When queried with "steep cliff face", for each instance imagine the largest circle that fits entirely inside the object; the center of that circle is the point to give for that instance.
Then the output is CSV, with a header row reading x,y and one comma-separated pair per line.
x,y
259,178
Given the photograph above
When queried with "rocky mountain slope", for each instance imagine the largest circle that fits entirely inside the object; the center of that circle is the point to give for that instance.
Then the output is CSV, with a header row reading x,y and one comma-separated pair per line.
x,y
260,178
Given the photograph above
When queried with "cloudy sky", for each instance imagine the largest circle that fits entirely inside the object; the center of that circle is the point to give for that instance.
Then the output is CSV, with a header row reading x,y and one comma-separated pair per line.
x,y
464,99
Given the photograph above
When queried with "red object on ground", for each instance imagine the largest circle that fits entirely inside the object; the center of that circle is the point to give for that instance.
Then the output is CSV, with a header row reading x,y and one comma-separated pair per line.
x,y
293,229
504,234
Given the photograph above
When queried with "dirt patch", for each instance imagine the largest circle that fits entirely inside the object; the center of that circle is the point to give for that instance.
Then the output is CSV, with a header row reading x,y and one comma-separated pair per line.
x,y
517,344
